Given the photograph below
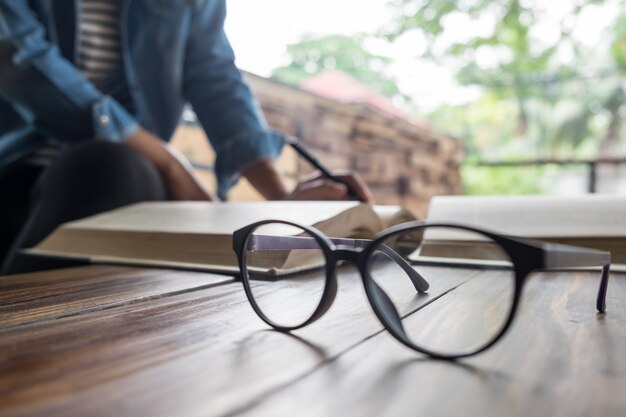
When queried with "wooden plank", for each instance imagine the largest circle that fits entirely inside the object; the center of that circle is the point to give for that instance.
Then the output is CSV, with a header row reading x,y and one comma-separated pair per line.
x,y
560,358
29,298
197,353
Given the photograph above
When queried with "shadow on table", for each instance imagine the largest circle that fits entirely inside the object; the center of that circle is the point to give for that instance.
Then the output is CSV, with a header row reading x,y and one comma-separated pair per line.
x,y
254,339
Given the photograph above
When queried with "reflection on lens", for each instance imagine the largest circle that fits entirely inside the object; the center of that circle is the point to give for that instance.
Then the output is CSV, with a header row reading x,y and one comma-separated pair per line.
x,y
472,285
286,273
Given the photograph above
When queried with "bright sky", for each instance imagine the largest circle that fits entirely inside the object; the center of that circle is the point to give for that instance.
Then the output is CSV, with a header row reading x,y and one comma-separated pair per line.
x,y
260,30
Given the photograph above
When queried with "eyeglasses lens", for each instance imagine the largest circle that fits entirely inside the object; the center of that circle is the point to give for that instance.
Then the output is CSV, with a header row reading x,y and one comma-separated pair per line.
x,y
286,273
472,287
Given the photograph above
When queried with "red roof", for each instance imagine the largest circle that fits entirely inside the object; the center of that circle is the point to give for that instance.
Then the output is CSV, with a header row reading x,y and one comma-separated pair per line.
x,y
338,85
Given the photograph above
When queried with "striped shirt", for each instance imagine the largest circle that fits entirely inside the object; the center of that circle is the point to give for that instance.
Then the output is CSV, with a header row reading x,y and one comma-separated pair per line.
x,y
98,58
99,55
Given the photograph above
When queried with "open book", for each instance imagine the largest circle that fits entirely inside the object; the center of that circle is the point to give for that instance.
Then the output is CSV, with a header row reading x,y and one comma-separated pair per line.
x,y
593,221
198,235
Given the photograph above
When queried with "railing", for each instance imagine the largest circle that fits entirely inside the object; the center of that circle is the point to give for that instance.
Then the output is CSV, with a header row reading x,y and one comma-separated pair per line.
x,y
592,165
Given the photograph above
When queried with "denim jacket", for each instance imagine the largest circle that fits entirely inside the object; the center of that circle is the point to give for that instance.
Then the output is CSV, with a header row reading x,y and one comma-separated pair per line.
x,y
174,52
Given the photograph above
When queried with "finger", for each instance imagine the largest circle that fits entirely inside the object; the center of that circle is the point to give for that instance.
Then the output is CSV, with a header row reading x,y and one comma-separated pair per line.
x,y
352,180
356,183
311,176
321,189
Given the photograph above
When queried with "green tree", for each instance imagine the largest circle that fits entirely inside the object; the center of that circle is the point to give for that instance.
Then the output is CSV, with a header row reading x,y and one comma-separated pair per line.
x,y
511,57
312,55
514,54
567,96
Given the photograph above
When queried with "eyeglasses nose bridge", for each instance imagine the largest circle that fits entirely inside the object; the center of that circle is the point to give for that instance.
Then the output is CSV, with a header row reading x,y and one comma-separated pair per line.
x,y
346,254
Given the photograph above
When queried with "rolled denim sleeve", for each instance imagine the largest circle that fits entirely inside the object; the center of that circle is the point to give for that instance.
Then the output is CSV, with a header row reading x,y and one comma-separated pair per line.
x,y
35,76
112,122
239,152
221,99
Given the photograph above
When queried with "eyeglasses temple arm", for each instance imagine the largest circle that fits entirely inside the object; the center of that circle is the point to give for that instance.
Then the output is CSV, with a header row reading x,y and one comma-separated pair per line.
x,y
420,284
565,256
269,242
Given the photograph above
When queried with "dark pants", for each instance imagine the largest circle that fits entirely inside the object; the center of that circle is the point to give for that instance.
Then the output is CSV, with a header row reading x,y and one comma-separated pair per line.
x,y
87,179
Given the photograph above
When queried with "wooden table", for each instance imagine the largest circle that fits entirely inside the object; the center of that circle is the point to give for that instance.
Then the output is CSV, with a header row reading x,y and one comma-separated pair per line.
x,y
116,341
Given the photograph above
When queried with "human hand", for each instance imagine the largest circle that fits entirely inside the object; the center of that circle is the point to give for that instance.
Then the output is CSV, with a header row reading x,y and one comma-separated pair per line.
x,y
319,187
173,166
184,185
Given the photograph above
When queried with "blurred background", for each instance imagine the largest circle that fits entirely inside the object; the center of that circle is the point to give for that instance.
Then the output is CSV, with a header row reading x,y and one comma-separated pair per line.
x,y
439,97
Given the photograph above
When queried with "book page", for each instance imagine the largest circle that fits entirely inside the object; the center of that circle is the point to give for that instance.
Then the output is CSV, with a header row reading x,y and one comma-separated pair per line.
x,y
535,216
360,222
198,233
208,218
392,215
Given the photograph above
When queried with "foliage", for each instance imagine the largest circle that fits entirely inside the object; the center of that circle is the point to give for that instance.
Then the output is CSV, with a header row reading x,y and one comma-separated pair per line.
x,y
618,44
479,180
547,91
566,92
483,126
312,55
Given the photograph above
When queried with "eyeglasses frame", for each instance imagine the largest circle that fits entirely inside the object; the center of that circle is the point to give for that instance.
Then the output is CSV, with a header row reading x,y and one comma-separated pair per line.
x,y
526,255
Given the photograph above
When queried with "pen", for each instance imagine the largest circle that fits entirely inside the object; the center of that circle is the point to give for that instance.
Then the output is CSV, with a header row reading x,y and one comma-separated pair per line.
x,y
325,172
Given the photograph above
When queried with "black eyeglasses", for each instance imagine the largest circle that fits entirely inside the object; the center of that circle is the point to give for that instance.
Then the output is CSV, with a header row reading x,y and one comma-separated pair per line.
x,y
446,290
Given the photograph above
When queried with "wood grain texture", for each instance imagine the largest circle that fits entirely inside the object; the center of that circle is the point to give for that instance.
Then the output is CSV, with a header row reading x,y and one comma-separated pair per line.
x,y
197,353
560,358
52,295
203,352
